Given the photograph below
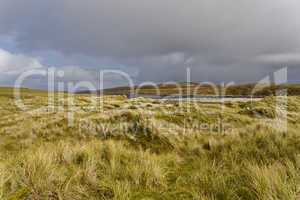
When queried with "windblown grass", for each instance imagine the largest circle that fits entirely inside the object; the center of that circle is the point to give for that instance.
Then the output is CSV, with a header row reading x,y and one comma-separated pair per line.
x,y
155,157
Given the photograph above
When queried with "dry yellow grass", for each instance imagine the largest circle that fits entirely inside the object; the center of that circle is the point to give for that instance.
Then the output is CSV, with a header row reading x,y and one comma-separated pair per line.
x,y
146,149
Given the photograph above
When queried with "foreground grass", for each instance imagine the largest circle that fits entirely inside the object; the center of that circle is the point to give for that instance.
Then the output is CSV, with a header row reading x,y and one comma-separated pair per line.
x,y
42,158
261,166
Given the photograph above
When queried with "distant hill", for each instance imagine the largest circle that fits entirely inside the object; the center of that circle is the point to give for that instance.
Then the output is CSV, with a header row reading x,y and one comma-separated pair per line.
x,y
197,89
186,89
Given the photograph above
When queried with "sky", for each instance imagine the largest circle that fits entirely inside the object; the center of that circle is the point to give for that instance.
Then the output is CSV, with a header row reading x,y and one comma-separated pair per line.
x,y
151,40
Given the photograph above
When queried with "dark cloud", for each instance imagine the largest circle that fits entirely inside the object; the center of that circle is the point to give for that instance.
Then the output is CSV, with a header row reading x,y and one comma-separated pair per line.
x,y
219,40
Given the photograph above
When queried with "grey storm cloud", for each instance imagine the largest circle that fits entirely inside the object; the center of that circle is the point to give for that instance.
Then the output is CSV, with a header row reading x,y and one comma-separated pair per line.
x,y
220,40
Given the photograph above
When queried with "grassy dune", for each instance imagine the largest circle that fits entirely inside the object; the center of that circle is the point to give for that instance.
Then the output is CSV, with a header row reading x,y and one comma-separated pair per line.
x,y
146,149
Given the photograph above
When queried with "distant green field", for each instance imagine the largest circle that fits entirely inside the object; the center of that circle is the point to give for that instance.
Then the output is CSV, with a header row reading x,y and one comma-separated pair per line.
x,y
123,149
9,91
197,89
